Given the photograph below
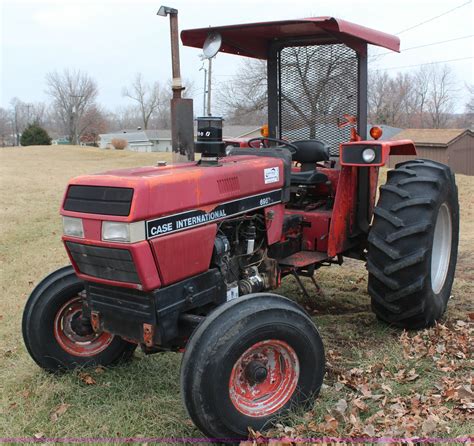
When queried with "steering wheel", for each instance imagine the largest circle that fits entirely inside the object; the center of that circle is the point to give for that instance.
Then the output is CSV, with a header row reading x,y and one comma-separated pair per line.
x,y
292,148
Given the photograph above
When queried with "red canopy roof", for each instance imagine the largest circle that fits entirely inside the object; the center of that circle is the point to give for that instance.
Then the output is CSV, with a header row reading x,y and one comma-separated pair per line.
x,y
252,39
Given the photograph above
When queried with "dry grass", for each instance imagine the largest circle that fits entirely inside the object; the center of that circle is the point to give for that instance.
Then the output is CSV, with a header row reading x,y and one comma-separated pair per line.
x,y
142,398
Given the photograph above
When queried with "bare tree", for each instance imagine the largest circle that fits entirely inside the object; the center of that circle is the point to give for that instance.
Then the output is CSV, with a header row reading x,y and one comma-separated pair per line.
x,y
440,96
421,99
243,99
92,124
421,85
148,97
73,94
391,100
5,127
162,119
123,118
469,107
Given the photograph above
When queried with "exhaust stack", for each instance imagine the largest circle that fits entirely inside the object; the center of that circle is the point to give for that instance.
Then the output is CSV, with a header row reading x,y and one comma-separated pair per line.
x,y
182,139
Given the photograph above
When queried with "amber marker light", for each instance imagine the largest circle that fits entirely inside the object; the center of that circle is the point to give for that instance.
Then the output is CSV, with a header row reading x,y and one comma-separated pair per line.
x,y
264,131
376,132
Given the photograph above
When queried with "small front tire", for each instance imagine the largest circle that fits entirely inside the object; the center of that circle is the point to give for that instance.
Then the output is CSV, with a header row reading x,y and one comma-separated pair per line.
x,y
54,333
250,361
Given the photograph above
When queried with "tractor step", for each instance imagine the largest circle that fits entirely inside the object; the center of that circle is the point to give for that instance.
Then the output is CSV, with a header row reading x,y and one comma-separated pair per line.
x,y
303,258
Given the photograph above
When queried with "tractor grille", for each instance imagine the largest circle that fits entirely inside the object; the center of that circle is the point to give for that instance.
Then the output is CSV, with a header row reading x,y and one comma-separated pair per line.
x,y
99,200
318,85
104,263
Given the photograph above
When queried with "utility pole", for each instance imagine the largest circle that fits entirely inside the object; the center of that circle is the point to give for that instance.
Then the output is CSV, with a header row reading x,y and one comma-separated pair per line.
x,y
209,88
205,90
28,106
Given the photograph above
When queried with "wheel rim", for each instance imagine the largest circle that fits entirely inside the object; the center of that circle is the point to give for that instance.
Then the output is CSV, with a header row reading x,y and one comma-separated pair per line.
x,y
441,251
264,378
86,343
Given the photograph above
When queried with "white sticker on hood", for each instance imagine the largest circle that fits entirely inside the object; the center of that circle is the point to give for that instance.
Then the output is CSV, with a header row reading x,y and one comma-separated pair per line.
x,y
271,175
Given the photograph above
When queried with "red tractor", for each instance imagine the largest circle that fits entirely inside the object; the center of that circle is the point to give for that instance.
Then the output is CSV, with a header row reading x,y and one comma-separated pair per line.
x,y
184,257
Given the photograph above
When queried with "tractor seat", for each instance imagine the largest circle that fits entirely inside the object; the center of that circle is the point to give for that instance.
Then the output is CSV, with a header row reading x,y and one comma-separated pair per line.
x,y
308,178
310,151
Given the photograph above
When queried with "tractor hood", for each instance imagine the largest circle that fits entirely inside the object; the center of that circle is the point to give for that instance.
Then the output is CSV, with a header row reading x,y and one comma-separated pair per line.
x,y
149,192
254,39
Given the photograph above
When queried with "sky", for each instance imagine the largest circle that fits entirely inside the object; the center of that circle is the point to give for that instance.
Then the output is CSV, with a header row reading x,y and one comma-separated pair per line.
x,y
112,40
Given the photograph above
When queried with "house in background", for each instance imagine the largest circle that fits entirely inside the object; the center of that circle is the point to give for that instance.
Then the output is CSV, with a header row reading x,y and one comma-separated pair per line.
x,y
137,140
160,140
454,147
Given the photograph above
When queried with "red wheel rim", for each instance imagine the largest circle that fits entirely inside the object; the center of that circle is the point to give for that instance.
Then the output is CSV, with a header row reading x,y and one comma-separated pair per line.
x,y
264,378
76,344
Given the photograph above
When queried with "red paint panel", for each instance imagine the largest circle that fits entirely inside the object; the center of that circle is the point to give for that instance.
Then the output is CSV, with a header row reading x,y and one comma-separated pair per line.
x,y
373,184
92,229
185,253
253,39
274,222
343,216
142,257
160,191
402,147
315,235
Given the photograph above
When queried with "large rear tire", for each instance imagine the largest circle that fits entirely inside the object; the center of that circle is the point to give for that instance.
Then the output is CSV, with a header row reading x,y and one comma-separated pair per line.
x,y
413,244
54,334
248,362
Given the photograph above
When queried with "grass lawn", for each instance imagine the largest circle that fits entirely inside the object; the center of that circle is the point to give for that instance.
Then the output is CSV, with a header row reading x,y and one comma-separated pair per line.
x,y
379,380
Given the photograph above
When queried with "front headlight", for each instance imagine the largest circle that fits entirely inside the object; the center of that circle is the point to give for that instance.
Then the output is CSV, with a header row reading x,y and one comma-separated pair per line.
x,y
115,231
73,227
368,155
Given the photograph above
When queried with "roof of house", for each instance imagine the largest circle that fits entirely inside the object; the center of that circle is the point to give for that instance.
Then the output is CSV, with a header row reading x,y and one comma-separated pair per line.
x,y
239,131
439,137
127,136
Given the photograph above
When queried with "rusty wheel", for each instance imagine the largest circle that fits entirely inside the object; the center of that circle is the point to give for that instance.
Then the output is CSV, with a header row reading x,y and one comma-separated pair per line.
x,y
74,333
264,378
250,361
56,333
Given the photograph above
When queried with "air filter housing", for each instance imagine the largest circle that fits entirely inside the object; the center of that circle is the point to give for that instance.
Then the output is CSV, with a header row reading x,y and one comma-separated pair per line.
x,y
209,139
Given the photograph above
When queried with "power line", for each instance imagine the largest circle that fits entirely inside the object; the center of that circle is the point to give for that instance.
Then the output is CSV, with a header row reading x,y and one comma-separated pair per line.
x,y
433,18
425,45
427,63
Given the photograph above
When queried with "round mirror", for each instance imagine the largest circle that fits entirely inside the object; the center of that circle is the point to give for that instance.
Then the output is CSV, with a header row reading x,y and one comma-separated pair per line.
x,y
212,45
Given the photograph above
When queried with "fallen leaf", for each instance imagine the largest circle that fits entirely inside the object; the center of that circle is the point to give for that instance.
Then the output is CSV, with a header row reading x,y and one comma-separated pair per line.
x,y
341,406
369,430
39,435
330,426
87,379
429,425
360,404
60,410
